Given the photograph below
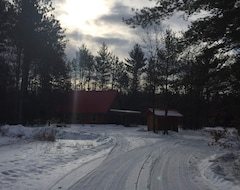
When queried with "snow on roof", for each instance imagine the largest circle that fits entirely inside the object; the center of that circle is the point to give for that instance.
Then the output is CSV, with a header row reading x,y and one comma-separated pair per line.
x,y
125,111
170,113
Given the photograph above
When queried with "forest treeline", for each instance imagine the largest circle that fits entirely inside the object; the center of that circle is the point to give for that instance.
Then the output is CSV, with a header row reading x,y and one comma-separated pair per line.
x,y
195,71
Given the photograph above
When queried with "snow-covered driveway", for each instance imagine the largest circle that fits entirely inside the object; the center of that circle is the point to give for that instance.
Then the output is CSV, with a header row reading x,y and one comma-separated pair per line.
x,y
109,157
141,161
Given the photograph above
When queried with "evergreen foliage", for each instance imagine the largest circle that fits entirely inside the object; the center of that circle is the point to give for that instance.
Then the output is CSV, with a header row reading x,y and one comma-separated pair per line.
x,y
209,52
135,65
120,79
85,65
32,51
103,67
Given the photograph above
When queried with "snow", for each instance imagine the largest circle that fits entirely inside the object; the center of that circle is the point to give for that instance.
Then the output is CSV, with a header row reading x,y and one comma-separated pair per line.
x,y
114,157
171,113
222,171
125,111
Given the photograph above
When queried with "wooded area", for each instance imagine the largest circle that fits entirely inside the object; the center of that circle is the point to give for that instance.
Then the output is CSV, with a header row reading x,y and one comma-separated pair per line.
x,y
196,72
33,64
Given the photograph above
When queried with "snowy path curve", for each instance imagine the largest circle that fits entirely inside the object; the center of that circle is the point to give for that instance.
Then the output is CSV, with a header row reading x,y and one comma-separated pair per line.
x,y
112,157
162,163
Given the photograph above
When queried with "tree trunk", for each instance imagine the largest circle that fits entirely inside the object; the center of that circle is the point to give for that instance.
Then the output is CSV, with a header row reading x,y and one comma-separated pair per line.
x,y
17,72
23,91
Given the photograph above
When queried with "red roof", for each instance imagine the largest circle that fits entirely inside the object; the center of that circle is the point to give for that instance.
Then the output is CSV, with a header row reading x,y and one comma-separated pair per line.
x,y
89,101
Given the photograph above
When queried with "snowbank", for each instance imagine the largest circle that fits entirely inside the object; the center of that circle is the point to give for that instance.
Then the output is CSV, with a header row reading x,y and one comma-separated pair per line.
x,y
27,163
222,171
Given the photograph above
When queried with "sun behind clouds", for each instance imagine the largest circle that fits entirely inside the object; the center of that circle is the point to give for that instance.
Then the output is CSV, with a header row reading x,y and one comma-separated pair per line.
x,y
78,13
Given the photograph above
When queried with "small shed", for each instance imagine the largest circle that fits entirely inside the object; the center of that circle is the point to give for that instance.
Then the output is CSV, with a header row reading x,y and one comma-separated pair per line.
x,y
162,122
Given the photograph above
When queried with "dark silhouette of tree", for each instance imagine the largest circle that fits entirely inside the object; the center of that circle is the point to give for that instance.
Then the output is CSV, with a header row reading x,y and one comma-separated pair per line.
x,y
119,75
167,62
221,23
85,67
7,81
167,65
150,77
235,71
212,70
40,59
135,65
103,67
74,73
218,28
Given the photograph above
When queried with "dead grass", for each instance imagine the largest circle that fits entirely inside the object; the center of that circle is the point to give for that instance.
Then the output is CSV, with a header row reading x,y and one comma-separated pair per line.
x,y
47,135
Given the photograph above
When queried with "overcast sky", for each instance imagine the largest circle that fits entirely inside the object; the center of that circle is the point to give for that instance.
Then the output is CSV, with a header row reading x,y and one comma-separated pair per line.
x,y
93,22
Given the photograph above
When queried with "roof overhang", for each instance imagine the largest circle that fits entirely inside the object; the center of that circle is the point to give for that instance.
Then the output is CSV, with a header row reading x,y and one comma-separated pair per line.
x,y
125,111
162,113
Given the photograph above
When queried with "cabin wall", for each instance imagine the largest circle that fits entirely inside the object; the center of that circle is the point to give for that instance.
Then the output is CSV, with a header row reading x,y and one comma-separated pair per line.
x,y
85,118
158,123
171,123
125,119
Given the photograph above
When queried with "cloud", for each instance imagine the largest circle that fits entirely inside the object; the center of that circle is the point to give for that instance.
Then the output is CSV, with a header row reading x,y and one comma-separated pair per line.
x,y
114,32
70,51
118,11
106,27
111,41
176,22
109,28
118,45
74,34
58,4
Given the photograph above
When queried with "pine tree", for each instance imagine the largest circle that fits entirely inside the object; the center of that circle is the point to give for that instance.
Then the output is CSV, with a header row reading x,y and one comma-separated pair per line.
x,y
135,65
85,65
103,67
7,80
40,40
119,75
213,69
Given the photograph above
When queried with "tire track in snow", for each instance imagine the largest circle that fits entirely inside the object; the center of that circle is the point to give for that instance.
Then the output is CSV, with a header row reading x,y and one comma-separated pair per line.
x,y
171,170
141,169
114,172
94,160
155,164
